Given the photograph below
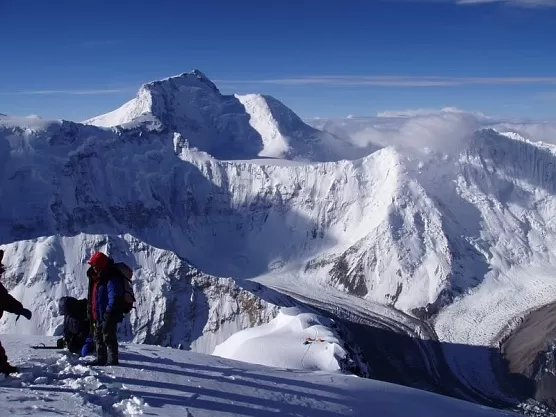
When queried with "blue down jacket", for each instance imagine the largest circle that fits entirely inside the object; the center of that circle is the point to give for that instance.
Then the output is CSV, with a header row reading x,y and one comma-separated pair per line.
x,y
104,299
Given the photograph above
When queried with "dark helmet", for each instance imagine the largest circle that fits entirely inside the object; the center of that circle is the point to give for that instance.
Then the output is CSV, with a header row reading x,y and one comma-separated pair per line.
x,y
66,305
72,307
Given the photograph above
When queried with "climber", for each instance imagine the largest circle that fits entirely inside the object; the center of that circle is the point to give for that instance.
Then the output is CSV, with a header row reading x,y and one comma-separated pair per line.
x,y
77,336
11,305
104,307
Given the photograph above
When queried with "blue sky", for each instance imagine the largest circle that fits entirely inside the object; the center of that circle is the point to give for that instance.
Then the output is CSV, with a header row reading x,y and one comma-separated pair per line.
x,y
77,59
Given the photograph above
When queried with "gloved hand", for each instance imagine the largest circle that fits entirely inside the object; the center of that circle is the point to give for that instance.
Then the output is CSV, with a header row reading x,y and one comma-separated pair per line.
x,y
90,272
60,343
2,268
26,313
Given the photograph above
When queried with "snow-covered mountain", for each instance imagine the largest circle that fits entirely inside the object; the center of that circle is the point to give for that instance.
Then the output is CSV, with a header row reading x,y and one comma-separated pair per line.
x,y
227,127
348,223
458,233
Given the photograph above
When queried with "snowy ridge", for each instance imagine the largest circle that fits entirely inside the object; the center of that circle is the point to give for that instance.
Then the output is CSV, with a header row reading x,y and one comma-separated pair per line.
x,y
226,127
138,106
167,382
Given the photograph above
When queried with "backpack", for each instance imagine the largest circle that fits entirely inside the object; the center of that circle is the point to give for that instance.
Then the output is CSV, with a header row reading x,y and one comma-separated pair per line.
x,y
128,297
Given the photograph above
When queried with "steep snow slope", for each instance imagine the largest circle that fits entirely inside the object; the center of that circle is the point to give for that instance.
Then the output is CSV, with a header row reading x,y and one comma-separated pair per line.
x,y
176,304
227,127
167,382
286,136
510,181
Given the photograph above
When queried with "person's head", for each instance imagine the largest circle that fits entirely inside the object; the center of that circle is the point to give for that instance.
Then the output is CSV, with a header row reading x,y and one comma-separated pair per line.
x,y
66,305
72,307
98,261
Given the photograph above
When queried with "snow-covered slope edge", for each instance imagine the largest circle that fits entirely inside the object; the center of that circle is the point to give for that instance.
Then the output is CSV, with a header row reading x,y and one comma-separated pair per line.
x,y
225,126
295,338
177,305
168,382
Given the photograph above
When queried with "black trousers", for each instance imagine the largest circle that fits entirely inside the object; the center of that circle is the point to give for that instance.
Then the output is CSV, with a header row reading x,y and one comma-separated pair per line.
x,y
107,342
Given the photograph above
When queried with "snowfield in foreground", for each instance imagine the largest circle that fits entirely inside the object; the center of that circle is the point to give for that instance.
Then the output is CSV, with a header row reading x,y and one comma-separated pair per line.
x,y
160,381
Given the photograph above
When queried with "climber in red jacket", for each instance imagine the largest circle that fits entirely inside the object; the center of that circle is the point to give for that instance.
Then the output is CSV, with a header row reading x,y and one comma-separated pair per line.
x,y
11,305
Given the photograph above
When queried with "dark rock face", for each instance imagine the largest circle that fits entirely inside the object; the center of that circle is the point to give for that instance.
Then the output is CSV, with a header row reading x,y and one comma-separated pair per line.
x,y
530,351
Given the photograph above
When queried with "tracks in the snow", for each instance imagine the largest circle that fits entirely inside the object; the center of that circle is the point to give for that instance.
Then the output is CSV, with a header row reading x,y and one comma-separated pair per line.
x,y
88,390
399,348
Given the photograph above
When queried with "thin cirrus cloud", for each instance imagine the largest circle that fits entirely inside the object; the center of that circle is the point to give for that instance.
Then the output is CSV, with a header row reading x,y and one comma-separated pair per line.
x,y
547,96
396,81
68,92
101,42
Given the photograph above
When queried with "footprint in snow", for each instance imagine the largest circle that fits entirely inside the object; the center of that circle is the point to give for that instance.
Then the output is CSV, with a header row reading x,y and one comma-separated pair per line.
x,y
65,372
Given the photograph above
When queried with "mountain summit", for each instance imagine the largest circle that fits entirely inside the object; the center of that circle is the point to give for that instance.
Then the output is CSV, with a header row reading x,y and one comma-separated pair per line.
x,y
225,126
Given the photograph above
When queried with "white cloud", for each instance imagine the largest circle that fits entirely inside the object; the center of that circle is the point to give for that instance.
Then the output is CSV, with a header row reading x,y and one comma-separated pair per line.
x,y
418,112
442,131
521,3
396,80
446,130
514,3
